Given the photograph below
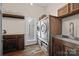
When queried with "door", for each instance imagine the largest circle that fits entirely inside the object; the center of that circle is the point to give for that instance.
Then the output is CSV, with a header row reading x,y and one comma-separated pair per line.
x,y
31,29
55,25
0,32
59,48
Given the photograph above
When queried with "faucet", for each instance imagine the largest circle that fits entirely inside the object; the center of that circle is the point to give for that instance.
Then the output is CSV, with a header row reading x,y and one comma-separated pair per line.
x,y
71,29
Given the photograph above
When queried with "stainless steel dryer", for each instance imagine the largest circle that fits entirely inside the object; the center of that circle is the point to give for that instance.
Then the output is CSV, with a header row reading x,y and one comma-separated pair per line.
x,y
43,34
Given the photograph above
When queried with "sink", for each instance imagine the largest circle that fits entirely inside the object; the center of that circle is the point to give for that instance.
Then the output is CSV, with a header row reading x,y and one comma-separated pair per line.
x,y
68,37
64,36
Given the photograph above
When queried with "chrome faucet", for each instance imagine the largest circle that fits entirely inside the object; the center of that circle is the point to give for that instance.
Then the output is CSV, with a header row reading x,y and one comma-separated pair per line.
x,y
71,29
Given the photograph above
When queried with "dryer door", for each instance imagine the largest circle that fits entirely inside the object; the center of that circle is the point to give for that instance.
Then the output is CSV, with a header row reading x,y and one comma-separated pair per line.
x,y
44,30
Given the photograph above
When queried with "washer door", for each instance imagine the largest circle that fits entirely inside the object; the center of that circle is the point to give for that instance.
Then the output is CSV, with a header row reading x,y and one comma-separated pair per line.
x,y
43,28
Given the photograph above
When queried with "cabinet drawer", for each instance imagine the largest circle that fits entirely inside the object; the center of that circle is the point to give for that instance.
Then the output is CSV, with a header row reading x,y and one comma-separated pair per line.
x,y
64,10
9,37
9,45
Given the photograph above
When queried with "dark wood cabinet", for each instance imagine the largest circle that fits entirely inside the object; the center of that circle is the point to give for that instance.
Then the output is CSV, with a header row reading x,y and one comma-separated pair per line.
x,y
68,10
55,25
9,45
13,42
20,42
58,48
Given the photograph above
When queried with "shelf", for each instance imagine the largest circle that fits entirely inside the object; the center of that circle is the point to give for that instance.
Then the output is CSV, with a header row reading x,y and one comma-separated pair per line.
x,y
12,16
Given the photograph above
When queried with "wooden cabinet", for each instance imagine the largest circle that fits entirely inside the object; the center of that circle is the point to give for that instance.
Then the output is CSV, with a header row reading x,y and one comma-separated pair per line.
x,y
9,45
56,48
51,46
13,42
68,10
74,7
20,42
59,48
55,25
64,10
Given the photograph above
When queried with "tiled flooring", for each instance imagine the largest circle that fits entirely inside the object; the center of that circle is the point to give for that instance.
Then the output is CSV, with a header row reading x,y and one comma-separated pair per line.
x,y
32,50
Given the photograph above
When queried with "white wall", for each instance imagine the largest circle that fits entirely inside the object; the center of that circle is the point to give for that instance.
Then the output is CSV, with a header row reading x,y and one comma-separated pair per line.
x,y
66,22
13,25
52,9
22,9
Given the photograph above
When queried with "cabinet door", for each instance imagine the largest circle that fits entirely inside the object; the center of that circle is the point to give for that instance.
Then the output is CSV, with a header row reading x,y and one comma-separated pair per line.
x,y
51,47
20,43
58,48
55,26
9,45
64,10
74,7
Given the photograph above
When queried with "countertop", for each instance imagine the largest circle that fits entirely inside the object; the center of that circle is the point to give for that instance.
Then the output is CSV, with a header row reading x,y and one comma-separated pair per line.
x,y
12,34
73,41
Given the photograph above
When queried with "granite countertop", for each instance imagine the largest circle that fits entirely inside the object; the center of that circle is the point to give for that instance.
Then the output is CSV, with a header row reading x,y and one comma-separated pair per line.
x,y
12,34
67,39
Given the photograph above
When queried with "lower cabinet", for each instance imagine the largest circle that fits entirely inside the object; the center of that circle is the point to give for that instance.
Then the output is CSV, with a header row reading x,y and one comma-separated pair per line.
x,y
58,48
9,45
13,42
20,43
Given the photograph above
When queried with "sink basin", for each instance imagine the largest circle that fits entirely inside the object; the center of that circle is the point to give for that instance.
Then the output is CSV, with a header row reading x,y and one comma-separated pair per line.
x,y
64,36
68,37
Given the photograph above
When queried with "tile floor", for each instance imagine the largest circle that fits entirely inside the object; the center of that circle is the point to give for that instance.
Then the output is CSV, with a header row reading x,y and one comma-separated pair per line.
x,y
32,50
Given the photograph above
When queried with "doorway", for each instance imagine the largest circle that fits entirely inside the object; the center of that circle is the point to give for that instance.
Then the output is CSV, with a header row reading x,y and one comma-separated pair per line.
x,y
30,31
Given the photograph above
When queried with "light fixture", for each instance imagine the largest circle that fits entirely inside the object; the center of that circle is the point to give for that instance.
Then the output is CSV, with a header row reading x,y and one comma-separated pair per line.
x,y
31,4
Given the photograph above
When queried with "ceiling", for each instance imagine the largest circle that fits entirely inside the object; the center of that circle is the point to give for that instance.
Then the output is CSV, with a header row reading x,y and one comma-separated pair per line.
x,y
42,4
48,4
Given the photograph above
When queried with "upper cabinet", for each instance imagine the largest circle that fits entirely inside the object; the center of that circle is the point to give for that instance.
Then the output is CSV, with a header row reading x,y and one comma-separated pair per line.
x,y
68,10
55,25
63,10
74,7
